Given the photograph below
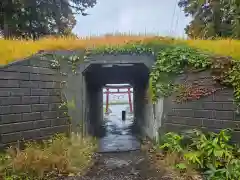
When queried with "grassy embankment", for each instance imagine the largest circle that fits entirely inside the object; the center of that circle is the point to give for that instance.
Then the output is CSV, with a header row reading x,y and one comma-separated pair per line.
x,y
12,50
59,156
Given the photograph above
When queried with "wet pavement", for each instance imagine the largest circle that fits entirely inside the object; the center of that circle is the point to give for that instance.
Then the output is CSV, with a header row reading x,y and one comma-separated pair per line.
x,y
132,165
120,157
118,136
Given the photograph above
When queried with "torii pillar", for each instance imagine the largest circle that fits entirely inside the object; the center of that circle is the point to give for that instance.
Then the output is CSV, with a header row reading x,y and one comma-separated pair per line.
x,y
130,100
118,92
107,99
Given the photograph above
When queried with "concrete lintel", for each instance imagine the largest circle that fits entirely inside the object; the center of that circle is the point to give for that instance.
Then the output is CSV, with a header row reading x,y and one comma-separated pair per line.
x,y
122,57
147,60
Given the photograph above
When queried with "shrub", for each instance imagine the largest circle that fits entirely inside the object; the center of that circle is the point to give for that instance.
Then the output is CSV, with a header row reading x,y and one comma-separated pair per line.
x,y
210,153
55,157
172,142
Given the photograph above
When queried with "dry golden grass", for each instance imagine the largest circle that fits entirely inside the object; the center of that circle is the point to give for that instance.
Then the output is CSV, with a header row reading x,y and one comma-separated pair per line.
x,y
12,50
166,163
225,47
57,156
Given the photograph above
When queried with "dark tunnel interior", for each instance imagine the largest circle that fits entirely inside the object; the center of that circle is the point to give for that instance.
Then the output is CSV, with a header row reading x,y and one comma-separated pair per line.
x,y
98,75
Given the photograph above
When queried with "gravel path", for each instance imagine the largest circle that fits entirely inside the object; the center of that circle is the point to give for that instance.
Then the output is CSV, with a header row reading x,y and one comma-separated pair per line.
x,y
122,166
127,162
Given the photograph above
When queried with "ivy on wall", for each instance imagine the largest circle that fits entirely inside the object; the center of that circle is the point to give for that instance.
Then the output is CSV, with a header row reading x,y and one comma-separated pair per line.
x,y
176,60
171,60
55,63
233,78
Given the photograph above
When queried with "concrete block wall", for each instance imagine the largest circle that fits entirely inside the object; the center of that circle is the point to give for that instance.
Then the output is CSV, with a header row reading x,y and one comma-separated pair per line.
x,y
139,106
74,91
211,113
29,101
148,116
96,111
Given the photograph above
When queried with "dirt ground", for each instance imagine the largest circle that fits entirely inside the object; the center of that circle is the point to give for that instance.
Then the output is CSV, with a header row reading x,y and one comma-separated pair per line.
x,y
122,166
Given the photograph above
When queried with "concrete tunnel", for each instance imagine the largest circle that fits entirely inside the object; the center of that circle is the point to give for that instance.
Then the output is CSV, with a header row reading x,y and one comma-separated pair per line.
x,y
133,70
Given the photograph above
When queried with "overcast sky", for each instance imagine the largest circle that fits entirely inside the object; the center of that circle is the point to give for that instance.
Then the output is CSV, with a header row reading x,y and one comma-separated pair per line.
x,y
133,16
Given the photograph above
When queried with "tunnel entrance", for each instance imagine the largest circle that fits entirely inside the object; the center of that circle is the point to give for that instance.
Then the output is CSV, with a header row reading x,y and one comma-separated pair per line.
x,y
118,118
98,76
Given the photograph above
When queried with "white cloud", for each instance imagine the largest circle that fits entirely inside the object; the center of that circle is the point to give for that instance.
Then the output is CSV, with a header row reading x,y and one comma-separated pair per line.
x,y
135,16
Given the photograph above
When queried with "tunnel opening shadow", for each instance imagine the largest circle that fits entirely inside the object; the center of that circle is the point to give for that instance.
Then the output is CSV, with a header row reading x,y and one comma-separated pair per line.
x,y
113,132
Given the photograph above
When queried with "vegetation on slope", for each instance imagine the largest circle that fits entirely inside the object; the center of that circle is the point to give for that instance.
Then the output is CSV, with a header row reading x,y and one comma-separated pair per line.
x,y
212,154
13,50
226,47
59,156
173,56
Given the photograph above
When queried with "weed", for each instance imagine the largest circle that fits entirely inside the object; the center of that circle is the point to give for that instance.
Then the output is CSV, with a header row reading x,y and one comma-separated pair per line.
x,y
211,153
59,156
172,142
12,50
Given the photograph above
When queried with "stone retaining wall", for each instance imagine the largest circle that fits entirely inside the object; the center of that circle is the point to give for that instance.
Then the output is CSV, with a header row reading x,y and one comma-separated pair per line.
x,y
30,96
213,113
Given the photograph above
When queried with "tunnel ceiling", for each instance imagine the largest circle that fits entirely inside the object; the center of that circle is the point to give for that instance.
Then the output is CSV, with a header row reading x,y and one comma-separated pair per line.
x,y
132,73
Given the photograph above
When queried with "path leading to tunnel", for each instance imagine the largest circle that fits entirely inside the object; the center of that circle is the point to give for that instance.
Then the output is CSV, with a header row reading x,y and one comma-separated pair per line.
x,y
120,157
132,165
119,137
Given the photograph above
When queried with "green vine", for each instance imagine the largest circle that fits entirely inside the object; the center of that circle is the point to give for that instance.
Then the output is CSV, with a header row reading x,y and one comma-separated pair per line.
x,y
233,78
129,48
55,63
227,72
74,61
171,61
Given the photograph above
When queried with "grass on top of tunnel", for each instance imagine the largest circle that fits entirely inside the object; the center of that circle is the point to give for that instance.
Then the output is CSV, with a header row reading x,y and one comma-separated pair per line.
x,y
224,47
13,50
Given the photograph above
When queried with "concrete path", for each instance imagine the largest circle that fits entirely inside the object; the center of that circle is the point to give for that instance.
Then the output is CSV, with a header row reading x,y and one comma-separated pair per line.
x,y
120,157
122,166
119,137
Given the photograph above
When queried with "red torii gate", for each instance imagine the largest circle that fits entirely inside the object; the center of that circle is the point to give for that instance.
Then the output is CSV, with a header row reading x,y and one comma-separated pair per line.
x,y
108,87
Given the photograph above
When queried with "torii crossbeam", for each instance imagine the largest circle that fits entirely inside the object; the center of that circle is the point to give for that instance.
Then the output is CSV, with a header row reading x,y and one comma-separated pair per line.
x,y
108,87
